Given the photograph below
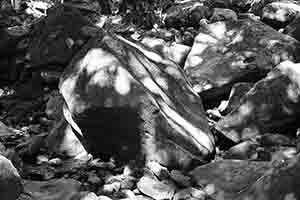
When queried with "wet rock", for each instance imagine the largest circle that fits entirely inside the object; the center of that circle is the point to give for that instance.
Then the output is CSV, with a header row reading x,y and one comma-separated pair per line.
x,y
226,178
243,151
55,189
55,37
189,194
102,197
236,94
173,51
180,179
142,104
272,105
188,13
280,13
235,51
278,183
155,189
223,14
10,180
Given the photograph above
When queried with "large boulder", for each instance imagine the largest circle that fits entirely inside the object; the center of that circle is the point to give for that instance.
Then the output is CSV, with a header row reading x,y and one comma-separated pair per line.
x,y
58,37
235,51
271,105
126,100
10,180
279,14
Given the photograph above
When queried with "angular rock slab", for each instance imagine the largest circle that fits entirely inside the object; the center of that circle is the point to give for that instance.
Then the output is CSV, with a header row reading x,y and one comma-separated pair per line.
x,y
55,189
233,51
124,99
227,178
10,180
272,104
58,37
278,183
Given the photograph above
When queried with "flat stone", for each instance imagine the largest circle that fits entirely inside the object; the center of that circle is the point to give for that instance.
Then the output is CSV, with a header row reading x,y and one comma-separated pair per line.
x,y
155,189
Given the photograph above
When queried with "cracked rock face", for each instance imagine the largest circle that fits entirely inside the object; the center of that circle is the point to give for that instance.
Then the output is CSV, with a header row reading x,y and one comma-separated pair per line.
x,y
127,100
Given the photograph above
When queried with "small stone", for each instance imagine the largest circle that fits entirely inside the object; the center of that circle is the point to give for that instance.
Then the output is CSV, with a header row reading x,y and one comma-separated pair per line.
x,y
180,179
160,171
94,179
55,162
155,189
102,197
128,193
111,188
189,193
40,159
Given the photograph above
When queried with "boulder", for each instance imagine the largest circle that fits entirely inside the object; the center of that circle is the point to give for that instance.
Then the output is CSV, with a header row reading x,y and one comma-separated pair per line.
x,y
55,189
281,182
187,13
58,37
271,106
126,100
293,29
172,51
223,14
279,14
226,178
235,51
10,180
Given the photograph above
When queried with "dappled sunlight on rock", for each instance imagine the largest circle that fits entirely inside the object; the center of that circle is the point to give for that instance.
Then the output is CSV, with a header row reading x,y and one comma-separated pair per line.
x,y
131,96
232,51
272,103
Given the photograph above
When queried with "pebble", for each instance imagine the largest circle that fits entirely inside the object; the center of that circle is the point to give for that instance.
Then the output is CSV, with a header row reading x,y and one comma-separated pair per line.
x,y
55,162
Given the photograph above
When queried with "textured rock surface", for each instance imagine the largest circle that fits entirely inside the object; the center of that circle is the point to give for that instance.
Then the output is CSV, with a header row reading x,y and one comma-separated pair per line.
x,y
278,183
10,180
58,37
187,13
173,51
279,14
270,105
155,189
227,178
141,102
228,52
55,189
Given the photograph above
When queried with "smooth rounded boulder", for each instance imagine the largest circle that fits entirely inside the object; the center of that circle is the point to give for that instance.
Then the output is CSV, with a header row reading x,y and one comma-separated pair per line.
x,y
125,100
